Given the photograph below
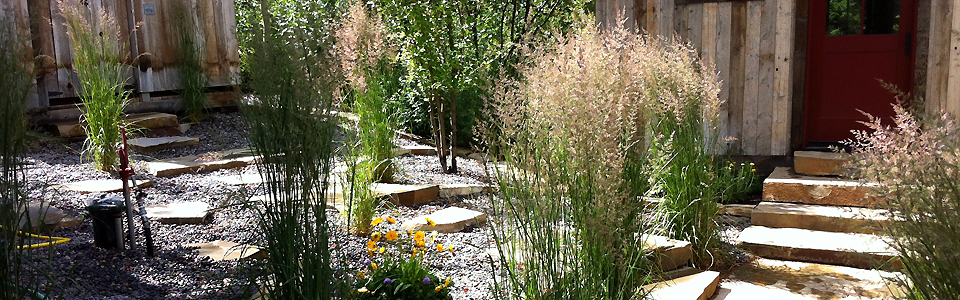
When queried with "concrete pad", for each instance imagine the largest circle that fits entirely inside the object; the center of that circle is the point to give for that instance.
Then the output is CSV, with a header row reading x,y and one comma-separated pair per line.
x,y
161,143
179,213
100,185
820,217
224,250
783,185
740,210
672,253
451,219
788,280
700,286
407,195
420,150
818,163
229,159
453,190
846,249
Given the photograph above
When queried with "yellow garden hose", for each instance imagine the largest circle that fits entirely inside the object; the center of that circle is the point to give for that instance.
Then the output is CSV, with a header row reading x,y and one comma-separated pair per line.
x,y
53,241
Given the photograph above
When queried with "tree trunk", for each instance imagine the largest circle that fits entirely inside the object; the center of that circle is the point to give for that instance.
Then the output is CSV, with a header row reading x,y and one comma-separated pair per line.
x,y
437,106
453,130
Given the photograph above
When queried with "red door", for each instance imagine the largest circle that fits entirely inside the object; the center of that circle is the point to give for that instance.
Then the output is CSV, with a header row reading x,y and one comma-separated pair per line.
x,y
853,45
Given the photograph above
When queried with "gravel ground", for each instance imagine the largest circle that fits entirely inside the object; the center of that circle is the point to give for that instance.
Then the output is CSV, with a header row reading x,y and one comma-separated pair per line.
x,y
78,270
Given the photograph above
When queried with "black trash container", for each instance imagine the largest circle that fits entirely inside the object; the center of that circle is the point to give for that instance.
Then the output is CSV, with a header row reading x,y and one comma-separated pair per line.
x,y
107,228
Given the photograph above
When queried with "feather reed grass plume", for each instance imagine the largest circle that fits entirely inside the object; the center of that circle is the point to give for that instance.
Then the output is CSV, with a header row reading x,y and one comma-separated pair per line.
x,y
99,54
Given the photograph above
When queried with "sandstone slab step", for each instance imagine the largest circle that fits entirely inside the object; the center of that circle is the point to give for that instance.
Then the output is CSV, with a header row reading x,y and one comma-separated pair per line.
x,y
41,217
144,120
407,195
420,150
835,248
818,163
699,286
453,190
790,280
224,250
783,185
820,217
451,219
672,253
161,143
179,213
228,159
740,210
100,185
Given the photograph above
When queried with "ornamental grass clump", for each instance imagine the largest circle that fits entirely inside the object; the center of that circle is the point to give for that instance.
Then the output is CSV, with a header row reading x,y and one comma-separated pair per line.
x,y
15,82
916,164
396,268
193,80
292,125
99,55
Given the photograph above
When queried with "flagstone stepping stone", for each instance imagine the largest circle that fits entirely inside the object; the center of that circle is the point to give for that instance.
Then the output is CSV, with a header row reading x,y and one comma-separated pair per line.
x,y
448,220
334,201
224,250
40,217
153,120
453,190
820,217
740,210
790,280
819,163
407,195
784,185
420,150
161,143
699,286
179,213
100,185
836,248
241,179
229,159
672,253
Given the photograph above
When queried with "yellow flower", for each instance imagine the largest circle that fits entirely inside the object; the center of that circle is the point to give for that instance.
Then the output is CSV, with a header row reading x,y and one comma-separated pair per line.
x,y
753,170
431,222
363,290
447,283
373,265
371,245
438,288
376,222
361,275
419,236
375,236
392,235
382,249
391,220
439,247
450,248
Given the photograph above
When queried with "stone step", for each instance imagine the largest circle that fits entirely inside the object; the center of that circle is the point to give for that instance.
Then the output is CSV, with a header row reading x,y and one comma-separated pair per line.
x,y
143,120
407,195
161,143
740,210
223,250
453,190
228,159
699,286
846,249
420,150
179,213
447,220
784,185
672,253
818,163
790,280
820,217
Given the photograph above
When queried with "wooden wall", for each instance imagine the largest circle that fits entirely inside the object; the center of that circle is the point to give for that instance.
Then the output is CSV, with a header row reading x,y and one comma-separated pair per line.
x,y
752,45
938,56
14,20
156,66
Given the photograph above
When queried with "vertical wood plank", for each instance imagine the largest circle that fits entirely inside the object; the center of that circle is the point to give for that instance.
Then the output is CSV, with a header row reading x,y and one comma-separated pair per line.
x,y
63,54
708,38
230,45
767,69
738,28
694,25
680,21
653,16
666,18
952,99
723,52
209,26
937,67
751,80
42,33
782,82
801,21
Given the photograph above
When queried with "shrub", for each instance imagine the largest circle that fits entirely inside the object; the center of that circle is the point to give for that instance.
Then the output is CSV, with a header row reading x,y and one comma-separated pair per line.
x,y
98,61
916,164
190,56
396,269
291,126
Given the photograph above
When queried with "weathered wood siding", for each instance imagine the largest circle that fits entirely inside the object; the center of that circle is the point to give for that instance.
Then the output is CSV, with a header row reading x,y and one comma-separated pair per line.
x,y
14,21
752,45
157,59
938,56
